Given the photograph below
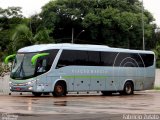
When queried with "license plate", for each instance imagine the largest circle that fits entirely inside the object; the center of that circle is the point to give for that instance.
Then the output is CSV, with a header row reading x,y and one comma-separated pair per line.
x,y
18,88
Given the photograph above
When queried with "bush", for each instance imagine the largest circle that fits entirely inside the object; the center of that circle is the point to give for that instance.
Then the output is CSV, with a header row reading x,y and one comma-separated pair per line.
x,y
4,69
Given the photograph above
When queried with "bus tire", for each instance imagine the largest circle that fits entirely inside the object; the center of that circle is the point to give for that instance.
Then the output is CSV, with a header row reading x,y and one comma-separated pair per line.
x,y
106,93
59,89
128,89
46,93
37,94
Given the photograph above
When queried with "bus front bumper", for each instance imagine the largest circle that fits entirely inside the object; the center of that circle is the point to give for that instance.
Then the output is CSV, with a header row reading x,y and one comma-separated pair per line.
x,y
21,88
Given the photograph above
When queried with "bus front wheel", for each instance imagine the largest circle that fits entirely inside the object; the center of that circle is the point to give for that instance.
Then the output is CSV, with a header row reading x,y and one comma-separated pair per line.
x,y
128,89
59,89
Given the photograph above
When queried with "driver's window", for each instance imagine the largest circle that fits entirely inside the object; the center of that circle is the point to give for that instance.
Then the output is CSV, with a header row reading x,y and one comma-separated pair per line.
x,y
42,66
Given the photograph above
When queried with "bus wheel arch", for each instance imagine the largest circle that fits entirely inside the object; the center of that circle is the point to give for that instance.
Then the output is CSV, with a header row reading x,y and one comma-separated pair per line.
x,y
60,88
128,88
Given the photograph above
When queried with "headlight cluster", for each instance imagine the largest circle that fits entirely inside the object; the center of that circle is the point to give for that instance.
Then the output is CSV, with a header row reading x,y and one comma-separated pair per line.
x,y
21,84
31,82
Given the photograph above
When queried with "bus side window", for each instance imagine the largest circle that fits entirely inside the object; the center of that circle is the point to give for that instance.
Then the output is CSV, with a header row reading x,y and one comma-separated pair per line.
x,y
67,58
73,57
94,58
148,59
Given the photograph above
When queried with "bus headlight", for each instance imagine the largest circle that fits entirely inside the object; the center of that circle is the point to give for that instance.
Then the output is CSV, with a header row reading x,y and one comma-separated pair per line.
x,y
30,82
10,83
30,88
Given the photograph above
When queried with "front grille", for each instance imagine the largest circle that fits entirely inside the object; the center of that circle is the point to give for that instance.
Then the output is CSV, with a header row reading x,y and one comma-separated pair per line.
x,y
19,84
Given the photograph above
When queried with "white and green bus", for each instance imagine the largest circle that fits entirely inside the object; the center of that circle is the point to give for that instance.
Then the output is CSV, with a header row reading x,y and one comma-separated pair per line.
x,y
63,68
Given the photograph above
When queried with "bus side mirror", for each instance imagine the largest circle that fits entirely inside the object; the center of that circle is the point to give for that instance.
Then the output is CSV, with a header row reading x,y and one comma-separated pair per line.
x,y
8,58
35,57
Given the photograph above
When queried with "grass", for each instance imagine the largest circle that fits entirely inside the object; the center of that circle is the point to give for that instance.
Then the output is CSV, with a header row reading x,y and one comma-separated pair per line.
x,y
157,88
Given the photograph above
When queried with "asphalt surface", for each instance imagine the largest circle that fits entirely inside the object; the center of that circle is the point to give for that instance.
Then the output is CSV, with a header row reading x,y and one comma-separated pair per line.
x,y
81,107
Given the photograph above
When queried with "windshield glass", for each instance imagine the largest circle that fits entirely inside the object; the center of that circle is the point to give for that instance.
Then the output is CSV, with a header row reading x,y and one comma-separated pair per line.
x,y
22,67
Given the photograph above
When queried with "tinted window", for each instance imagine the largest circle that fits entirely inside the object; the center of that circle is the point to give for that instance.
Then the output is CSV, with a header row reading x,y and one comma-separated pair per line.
x,y
137,60
148,59
72,57
107,58
50,58
81,57
67,58
44,63
121,60
134,60
93,58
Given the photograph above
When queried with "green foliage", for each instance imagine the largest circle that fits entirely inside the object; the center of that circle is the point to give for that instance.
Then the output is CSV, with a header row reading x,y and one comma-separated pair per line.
x,y
4,69
17,32
11,12
43,37
115,23
9,19
22,36
157,54
157,87
157,47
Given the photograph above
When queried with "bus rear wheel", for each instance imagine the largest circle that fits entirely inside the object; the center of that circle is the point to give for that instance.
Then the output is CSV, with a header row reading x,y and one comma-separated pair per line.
x,y
59,89
128,89
37,94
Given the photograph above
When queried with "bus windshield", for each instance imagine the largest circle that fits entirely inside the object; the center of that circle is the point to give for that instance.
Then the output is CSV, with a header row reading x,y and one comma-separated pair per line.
x,y
22,67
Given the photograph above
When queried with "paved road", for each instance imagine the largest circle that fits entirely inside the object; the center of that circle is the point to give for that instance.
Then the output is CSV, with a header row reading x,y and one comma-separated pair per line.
x,y
80,107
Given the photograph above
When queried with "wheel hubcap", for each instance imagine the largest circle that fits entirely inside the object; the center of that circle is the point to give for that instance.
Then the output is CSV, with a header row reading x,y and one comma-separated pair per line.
x,y
128,89
59,89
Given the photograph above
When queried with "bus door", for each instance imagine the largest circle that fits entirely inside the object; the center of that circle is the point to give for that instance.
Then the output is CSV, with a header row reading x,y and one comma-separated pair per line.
x,y
41,69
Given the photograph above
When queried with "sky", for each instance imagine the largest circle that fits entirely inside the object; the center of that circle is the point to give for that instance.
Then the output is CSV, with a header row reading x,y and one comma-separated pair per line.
x,y
153,6
30,7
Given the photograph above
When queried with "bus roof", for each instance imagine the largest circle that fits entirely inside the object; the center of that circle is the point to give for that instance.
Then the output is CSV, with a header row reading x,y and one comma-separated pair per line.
x,y
43,47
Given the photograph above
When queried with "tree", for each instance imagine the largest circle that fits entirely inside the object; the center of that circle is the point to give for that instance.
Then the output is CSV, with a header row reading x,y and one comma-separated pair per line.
x,y
11,12
157,47
157,54
22,36
115,23
9,18
42,36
